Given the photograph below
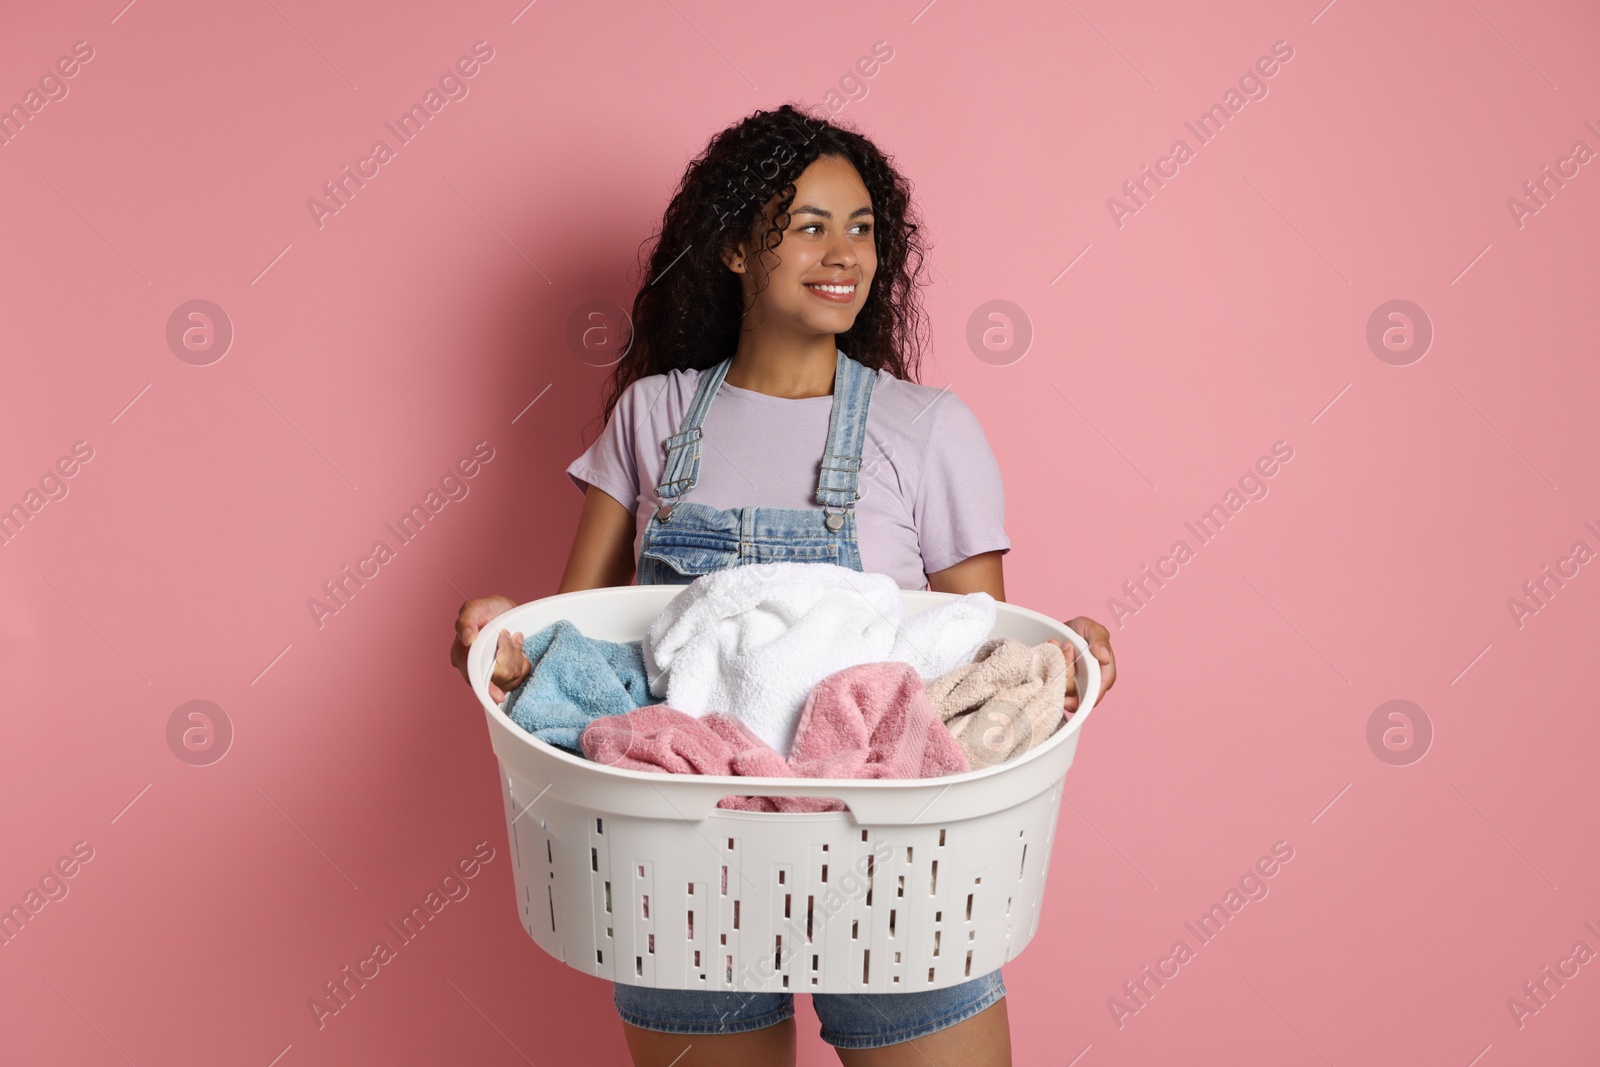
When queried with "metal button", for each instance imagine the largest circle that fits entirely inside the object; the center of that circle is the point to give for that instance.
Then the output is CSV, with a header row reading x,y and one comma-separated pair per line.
x,y
835,521
664,512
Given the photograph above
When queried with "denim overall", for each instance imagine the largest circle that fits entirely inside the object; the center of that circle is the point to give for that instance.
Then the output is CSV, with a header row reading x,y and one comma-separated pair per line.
x,y
684,540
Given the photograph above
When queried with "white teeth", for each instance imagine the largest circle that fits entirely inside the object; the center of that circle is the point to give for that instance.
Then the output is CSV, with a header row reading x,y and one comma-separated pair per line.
x,y
833,288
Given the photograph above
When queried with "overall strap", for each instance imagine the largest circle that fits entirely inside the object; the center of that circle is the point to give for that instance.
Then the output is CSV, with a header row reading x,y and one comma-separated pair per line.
x,y
839,477
683,448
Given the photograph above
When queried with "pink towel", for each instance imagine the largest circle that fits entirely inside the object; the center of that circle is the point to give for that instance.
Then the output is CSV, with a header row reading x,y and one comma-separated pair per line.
x,y
869,721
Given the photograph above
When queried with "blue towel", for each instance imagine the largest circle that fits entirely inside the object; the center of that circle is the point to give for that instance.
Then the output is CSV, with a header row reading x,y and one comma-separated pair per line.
x,y
575,680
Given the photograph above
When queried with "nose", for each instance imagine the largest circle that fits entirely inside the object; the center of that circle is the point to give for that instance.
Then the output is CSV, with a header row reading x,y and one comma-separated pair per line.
x,y
840,252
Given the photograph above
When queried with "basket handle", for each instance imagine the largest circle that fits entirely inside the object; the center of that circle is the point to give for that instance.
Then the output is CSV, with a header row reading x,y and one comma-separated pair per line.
x,y
877,802
698,800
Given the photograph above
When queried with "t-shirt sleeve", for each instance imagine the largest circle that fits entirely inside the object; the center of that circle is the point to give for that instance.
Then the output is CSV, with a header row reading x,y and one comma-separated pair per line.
x,y
960,505
611,464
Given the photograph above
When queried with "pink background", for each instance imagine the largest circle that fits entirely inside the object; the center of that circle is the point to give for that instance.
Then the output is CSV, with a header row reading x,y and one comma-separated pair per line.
x,y
370,354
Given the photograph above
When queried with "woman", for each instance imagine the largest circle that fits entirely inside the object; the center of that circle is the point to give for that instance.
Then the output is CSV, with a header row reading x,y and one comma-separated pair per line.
x,y
783,287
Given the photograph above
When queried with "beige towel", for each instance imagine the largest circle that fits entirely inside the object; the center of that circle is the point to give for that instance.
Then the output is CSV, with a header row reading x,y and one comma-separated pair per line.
x,y
1006,701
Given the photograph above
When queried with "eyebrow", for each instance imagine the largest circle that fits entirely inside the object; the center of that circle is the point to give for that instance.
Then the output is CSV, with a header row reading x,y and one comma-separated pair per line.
x,y
811,209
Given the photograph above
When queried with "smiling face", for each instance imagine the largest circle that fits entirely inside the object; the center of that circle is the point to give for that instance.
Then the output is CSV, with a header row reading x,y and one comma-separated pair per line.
x,y
817,279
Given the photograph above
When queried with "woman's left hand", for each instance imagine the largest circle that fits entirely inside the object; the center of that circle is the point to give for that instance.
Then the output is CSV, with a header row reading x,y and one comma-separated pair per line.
x,y
1099,639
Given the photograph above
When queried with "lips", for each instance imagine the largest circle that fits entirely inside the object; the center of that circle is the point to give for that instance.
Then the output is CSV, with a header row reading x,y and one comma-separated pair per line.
x,y
839,292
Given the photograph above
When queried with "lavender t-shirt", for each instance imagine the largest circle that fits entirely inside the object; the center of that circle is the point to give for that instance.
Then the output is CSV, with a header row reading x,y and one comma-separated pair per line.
x,y
930,488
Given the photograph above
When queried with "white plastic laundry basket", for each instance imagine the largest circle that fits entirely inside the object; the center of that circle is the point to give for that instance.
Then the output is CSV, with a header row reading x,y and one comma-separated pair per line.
x,y
640,878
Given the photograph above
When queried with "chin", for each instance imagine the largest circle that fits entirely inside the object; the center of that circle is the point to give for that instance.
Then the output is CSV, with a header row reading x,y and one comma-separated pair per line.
x,y
836,325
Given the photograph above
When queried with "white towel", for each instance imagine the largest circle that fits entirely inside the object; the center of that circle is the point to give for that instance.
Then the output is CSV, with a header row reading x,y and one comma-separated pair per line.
x,y
753,641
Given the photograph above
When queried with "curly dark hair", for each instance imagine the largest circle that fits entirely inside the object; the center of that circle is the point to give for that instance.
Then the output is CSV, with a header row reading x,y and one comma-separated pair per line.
x,y
687,311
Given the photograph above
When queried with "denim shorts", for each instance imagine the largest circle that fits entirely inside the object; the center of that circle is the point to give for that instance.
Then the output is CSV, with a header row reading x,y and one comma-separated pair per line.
x,y
849,1020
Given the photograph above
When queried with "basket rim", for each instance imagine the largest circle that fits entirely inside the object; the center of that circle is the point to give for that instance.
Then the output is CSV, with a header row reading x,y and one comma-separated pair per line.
x,y
480,659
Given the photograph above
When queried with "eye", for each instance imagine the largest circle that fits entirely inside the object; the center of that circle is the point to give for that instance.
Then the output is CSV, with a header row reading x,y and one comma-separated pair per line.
x,y
864,227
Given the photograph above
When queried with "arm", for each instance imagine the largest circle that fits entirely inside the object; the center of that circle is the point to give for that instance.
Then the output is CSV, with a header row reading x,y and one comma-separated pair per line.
x,y
982,573
601,555
975,574
602,547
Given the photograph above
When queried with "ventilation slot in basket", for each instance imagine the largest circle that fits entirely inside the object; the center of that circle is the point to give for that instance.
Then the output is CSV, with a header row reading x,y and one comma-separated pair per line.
x,y
866,964
1024,864
810,904
933,883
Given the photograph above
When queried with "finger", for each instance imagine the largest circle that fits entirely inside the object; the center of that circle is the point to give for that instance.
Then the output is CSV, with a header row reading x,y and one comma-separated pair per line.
x,y
471,619
467,624
505,658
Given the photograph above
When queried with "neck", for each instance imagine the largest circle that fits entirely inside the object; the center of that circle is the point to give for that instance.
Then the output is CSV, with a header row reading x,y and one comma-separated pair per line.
x,y
793,371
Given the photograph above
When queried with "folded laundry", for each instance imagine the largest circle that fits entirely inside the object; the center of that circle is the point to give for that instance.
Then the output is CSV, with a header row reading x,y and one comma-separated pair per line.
x,y
868,721
1005,702
574,680
753,641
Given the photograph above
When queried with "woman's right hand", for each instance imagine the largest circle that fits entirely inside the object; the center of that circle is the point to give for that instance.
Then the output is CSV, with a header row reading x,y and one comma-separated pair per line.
x,y
511,667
